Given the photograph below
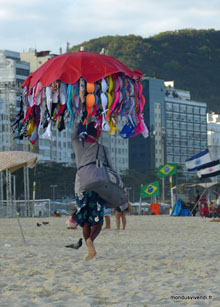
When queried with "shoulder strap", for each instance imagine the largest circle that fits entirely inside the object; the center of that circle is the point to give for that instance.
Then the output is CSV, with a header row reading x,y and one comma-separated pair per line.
x,y
106,158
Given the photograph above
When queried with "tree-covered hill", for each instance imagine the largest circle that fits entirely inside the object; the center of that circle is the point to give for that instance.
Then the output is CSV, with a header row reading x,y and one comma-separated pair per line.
x,y
189,57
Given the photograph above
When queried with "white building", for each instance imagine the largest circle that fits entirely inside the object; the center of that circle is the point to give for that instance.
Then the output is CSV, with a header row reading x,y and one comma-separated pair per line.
x,y
35,58
12,73
213,128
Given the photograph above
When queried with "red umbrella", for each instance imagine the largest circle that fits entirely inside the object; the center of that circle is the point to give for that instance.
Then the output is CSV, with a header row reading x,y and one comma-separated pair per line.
x,y
69,67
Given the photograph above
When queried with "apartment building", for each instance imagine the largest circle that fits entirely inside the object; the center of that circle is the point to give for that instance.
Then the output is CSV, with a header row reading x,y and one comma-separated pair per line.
x,y
36,58
177,127
13,72
186,126
213,128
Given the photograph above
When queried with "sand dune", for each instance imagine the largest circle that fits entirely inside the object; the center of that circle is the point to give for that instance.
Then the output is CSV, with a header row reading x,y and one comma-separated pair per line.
x,y
156,261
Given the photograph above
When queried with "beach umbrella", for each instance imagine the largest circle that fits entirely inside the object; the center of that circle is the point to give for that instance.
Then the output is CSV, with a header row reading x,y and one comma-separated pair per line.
x,y
69,67
81,86
13,160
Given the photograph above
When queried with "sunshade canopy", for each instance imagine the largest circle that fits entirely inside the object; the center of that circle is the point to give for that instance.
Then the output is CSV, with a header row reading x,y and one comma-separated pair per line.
x,y
13,160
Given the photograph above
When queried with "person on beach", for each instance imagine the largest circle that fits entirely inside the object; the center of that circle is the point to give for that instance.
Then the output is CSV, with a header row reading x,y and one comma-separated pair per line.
x,y
90,214
120,213
195,203
205,211
107,214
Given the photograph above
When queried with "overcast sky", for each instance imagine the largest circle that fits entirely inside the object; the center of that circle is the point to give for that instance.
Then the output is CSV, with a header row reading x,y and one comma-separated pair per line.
x,y
50,24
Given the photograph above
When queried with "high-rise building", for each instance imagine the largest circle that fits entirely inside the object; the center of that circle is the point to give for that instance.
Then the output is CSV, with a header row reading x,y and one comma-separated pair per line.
x,y
177,127
117,148
147,153
186,126
13,72
213,127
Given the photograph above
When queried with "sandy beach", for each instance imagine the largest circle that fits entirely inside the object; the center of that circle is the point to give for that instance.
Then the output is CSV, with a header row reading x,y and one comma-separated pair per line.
x,y
156,261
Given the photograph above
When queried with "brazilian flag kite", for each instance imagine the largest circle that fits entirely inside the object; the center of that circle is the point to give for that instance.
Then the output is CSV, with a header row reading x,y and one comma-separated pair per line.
x,y
152,189
167,170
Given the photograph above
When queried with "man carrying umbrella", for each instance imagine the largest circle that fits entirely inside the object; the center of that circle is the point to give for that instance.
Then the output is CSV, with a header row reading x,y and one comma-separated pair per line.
x,y
90,214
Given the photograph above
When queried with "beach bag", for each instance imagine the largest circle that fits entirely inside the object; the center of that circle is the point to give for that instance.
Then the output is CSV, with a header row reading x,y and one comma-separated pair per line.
x,y
101,178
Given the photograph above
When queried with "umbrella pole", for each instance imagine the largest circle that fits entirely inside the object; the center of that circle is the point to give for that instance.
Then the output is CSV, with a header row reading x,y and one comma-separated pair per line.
x,y
21,230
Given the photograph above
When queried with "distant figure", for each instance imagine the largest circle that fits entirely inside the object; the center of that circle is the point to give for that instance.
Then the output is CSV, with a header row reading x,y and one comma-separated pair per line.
x,y
196,196
120,213
195,203
56,213
107,214
205,211
203,201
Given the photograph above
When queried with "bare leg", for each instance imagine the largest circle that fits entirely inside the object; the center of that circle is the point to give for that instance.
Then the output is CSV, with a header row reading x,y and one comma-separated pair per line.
x,y
123,218
117,219
95,230
86,231
107,222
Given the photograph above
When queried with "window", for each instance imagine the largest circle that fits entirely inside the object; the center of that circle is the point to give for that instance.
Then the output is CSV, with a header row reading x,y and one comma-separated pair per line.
x,y
176,125
190,127
169,150
182,108
203,128
169,132
183,133
176,150
182,159
196,119
189,109
169,158
169,115
203,119
175,107
169,124
183,151
190,134
176,116
183,126
177,142
169,106
196,110
22,72
190,118
197,143
197,135
203,144
190,143
169,142
183,117
203,111
176,133
197,127
183,142
176,159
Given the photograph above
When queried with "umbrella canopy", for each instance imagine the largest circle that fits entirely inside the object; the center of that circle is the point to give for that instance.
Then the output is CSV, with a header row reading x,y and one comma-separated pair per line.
x,y
81,87
69,67
13,160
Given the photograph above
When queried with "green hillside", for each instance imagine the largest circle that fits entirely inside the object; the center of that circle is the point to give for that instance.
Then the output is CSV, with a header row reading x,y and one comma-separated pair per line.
x,y
189,57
